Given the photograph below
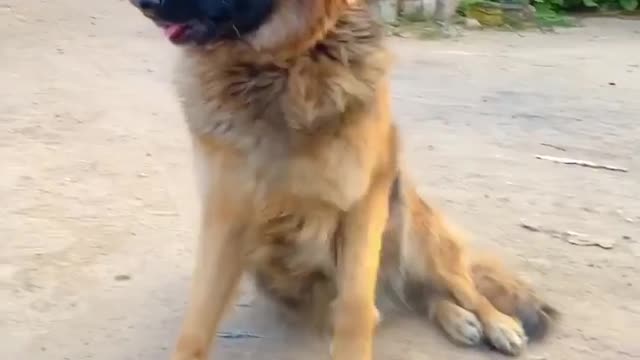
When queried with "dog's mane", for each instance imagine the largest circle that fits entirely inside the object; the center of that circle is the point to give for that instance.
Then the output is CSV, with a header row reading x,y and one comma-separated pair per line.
x,y
297,25
240,94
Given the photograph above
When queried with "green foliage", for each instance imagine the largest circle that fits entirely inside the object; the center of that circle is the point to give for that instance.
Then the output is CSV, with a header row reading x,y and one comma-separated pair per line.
x,y
548,16
579,5
465,5
629,5
554,12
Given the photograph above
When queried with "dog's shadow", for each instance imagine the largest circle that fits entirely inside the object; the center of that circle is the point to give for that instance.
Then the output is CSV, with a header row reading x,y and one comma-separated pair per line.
x,y
140,322
256,329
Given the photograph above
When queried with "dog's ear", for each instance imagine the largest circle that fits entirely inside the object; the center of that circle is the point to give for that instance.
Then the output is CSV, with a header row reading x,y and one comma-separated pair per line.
x,y
295,25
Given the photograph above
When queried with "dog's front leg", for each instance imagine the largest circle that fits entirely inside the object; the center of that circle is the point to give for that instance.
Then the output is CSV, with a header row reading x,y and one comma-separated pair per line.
x,y
219,265
358,261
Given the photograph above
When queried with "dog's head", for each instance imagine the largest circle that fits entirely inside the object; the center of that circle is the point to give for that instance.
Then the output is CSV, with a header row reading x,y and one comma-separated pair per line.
x,y
203,21
262,23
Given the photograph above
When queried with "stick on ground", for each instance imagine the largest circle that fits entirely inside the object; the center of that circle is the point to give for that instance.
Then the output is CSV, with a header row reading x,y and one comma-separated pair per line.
x,y
585,163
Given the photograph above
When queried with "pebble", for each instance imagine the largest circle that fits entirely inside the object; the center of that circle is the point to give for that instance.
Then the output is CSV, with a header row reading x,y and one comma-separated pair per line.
x,y
471,23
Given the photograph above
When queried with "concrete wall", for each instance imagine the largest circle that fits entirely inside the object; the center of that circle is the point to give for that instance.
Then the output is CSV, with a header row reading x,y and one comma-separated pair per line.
x,y
426,7
389,9
386,9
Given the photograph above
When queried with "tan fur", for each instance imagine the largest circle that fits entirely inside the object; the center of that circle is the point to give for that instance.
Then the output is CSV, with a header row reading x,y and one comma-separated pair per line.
x,y
296,156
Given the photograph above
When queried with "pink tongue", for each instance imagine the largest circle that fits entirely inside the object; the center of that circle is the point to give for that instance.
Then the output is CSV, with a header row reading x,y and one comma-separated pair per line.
x,y
174,31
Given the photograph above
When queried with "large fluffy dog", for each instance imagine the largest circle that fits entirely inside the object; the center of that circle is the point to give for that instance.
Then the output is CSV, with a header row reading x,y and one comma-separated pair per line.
x,y
287,103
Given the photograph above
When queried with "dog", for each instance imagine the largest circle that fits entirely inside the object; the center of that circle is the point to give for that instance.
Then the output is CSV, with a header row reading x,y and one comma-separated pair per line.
x,y
297,158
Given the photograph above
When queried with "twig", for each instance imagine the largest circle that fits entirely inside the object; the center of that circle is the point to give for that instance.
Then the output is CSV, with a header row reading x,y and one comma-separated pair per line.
x,y
625,218
235,335
572,237
554,146
162,213
584,163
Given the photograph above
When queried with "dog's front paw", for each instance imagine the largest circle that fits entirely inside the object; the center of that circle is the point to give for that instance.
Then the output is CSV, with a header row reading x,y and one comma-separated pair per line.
x,y
186,357
462,326
190,348
506,335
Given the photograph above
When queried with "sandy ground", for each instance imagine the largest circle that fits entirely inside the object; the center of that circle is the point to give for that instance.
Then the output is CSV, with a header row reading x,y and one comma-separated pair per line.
x,y
98,209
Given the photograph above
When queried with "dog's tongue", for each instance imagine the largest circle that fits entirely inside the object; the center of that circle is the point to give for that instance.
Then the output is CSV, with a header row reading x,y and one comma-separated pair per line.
x,y
175,31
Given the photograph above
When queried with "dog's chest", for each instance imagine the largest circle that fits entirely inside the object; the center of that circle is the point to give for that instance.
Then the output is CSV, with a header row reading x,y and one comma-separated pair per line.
x,y
303,128
335,174
335,171
297,198
301,199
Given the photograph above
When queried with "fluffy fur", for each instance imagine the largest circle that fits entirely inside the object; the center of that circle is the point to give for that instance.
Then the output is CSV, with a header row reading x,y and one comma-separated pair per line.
x,y
301,185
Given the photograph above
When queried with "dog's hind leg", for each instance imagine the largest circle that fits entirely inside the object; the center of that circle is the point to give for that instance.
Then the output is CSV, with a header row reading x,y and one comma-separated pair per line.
x,y
472,300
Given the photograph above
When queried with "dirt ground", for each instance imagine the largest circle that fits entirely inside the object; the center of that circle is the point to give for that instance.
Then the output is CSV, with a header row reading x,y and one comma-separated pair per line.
x,y
98,209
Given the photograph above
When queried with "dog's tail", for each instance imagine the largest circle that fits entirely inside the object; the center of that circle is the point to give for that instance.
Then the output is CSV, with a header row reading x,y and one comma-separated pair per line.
x,y
502,287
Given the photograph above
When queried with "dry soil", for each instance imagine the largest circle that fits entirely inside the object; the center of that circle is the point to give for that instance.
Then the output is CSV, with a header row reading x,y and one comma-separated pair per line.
x,y
98,210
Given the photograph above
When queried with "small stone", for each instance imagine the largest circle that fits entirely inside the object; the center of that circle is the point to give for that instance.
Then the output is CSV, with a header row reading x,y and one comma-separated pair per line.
x,y
122,277
471,23
537,357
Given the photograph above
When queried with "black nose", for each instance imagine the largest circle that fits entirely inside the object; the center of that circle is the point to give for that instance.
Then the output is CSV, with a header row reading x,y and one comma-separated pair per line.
x,y
148,5
173,11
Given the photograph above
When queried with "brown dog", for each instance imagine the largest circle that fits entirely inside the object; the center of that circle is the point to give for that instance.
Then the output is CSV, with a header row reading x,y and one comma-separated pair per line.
x,y
287,103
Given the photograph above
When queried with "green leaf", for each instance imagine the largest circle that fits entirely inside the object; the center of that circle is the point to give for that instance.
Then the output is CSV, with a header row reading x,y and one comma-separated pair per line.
x,y
629,5
544,8
590,3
